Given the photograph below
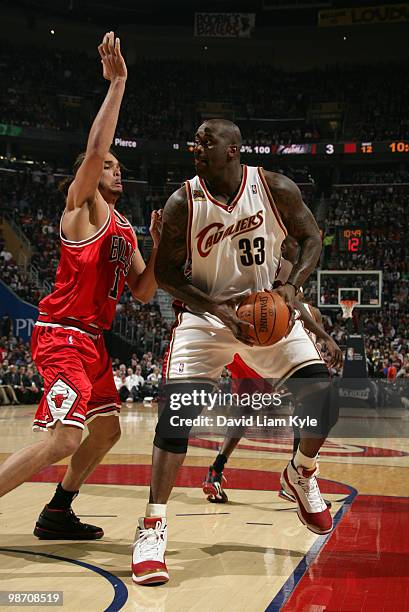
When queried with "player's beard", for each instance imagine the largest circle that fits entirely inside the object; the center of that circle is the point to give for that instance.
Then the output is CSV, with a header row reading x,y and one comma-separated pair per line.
x,y
110,192
202,169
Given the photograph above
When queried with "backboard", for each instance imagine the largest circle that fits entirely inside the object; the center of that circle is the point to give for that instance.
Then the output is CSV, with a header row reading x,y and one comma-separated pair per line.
x,y
365,286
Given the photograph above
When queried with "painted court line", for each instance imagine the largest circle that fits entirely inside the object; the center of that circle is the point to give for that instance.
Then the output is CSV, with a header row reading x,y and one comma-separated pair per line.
x,y
202,514
290,584
98,515
120,590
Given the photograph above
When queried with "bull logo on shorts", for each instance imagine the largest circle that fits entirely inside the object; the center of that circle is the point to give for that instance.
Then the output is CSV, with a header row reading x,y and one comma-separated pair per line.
x,y
58,398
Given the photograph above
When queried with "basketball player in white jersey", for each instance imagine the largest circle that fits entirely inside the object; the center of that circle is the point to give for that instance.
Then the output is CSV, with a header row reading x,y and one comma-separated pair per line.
x,y
247,381
221,239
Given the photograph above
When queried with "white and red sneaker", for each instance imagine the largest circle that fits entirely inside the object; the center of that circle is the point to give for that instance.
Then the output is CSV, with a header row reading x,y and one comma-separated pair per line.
x,y
312,510
286,494
148,558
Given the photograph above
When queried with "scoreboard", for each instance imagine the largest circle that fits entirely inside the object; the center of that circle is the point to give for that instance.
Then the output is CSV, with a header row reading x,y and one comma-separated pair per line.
x,y
351,238
327,149
396,148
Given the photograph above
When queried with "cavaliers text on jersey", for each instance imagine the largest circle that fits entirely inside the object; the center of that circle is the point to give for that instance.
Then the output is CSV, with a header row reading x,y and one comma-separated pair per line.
x,y
234,248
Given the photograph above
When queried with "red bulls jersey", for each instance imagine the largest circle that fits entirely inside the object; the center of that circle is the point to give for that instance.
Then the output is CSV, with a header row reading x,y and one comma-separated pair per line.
x,y
91,275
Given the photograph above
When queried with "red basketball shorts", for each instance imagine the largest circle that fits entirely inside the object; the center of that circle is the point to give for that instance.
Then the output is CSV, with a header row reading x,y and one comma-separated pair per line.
x,y
78,379
246,380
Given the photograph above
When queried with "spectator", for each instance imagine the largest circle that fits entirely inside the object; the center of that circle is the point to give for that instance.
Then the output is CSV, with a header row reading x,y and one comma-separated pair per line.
x,y
138,377
6,255
154,377
14,379
121,386
33,385
133,385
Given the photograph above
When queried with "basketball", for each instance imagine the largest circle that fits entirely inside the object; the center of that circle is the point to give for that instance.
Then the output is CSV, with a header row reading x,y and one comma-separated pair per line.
x,y
268,313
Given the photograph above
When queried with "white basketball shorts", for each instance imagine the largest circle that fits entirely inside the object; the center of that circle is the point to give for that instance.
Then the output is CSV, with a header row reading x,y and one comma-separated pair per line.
x,y
201,346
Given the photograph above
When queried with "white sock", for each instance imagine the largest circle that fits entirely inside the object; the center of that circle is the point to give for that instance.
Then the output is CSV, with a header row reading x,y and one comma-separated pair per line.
x,y
304,460
156,510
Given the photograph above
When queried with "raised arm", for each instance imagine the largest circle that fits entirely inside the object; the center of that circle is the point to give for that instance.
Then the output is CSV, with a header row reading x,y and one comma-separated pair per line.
x,y
84,187
170,267
300,223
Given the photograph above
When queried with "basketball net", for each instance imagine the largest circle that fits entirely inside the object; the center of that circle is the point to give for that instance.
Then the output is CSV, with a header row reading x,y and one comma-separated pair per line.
x,y
347,308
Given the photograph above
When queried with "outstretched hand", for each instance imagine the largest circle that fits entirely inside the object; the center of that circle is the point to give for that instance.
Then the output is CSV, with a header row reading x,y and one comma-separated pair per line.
x,y
155,228
113,63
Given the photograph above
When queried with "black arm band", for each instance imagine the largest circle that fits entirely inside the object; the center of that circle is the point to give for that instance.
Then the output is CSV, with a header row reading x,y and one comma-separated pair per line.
x,y
292,285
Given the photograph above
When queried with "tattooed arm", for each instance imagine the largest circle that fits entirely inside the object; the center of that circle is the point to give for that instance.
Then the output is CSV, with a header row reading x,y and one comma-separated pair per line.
x,y
170,263
300,223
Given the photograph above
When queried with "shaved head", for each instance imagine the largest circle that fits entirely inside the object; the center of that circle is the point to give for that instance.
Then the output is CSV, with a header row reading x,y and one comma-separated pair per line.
x,y
217,148
229,131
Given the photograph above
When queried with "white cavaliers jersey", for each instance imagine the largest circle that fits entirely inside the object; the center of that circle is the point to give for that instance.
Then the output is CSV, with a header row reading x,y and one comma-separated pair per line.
x,y
234,248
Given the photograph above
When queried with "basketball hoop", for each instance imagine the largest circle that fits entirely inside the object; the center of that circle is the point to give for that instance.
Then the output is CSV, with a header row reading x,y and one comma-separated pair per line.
x,y
347,308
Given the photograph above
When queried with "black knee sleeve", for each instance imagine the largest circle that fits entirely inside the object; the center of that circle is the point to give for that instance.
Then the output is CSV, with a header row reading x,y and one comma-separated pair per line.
x,y
319,411
316,400
171,445
175,419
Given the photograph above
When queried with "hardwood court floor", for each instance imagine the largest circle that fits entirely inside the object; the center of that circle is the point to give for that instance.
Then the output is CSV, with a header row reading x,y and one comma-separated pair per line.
x,y
250,554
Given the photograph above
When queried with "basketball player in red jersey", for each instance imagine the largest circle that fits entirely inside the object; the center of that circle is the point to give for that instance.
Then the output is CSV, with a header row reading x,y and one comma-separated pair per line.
x,y
98,255
246,380
221,238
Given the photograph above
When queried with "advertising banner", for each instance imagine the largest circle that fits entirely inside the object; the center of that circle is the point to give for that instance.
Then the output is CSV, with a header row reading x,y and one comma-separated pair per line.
x,y
224,25
22,314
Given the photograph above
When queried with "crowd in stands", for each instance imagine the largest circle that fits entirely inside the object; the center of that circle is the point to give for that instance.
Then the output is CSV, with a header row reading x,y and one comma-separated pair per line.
x,y
56,94
20,382
18,280
142,325
140,380
384,214
47,96
254,135
374,177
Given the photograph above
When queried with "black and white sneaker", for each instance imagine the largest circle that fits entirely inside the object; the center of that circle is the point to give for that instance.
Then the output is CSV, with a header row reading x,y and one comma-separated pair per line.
x,y
212,487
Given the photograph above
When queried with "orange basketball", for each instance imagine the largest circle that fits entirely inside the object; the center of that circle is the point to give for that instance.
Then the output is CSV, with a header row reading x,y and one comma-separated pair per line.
x,y
268,313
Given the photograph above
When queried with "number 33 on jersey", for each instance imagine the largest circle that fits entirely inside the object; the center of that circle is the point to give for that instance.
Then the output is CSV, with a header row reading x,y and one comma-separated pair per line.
x,y
233,248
